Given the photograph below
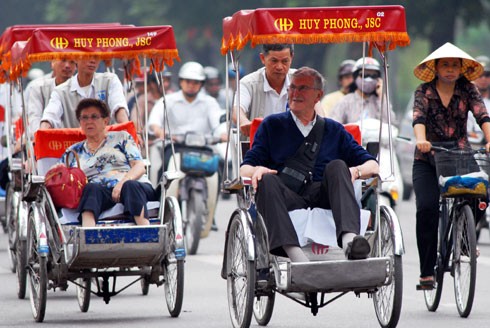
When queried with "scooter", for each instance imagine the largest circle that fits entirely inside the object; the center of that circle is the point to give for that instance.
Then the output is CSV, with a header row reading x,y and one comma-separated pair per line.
x,y
392,183
197,190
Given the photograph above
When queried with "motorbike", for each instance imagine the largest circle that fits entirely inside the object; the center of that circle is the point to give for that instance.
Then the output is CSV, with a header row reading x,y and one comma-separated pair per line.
x,y
197,189
389,168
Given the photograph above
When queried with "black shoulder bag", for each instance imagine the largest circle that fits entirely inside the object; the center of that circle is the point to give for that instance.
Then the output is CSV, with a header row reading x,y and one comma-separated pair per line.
x,y
298,169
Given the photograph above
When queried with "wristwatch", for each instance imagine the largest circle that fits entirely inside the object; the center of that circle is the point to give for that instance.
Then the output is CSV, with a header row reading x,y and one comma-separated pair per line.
x,y
358,172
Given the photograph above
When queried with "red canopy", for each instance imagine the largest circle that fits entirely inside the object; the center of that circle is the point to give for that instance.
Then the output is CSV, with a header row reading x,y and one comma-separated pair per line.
x,y
123,42
384,26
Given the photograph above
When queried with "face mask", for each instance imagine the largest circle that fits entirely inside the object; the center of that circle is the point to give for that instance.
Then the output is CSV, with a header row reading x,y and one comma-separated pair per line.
x,y
368,86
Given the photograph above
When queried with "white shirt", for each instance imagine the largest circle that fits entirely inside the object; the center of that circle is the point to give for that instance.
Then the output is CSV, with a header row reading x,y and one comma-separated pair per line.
x,y
36,100
202,115
274,102
54,110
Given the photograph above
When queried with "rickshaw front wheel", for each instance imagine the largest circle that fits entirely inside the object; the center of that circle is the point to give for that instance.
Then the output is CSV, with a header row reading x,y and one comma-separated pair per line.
x,y
388,299
240,275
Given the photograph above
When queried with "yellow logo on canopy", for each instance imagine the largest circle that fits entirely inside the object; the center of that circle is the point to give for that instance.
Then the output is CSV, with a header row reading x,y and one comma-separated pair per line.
x,y
59,43
283,24
55,145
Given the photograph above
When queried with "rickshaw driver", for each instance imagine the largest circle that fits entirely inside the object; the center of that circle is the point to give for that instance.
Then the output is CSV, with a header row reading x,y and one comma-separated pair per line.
x,y
339,162
264,91
60,111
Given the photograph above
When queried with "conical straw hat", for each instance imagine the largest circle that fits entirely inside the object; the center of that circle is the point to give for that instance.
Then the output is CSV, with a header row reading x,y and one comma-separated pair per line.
x,y
471,69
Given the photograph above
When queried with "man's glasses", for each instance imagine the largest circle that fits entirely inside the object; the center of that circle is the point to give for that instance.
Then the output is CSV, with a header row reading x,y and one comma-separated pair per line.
x,y
93,117
300,88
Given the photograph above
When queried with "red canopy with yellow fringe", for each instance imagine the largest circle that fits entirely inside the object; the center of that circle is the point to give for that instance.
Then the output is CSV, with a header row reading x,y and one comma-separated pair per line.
x,y
384,26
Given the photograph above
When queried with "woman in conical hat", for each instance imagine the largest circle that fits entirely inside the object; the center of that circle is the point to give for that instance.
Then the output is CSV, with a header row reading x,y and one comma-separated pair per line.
x,y
440,114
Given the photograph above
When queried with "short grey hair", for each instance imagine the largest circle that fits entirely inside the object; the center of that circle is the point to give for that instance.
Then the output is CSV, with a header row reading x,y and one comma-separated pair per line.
x,y
318,79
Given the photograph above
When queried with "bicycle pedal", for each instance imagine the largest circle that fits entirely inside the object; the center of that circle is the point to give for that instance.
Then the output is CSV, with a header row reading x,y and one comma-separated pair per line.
x,y
425,287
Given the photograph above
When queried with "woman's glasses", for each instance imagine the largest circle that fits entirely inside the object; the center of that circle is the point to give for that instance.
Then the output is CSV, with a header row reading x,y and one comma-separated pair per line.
x,y
93,117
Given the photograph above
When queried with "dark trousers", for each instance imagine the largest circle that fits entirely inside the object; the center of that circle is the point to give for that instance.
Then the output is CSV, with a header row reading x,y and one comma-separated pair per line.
x,y
274,200
426,190
134,195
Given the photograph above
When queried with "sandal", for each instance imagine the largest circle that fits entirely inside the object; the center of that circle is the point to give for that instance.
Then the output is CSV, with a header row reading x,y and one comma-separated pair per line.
x,y
426,283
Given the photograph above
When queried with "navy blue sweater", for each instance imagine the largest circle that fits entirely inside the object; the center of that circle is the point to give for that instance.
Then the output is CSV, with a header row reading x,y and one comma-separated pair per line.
x,y
278,138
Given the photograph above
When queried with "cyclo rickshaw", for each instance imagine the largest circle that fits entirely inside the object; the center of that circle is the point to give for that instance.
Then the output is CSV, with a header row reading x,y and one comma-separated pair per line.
x,y
246,253
59,250
12,42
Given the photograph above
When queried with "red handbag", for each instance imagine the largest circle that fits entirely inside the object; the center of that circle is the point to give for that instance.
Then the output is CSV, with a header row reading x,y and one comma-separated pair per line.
x,y
65,184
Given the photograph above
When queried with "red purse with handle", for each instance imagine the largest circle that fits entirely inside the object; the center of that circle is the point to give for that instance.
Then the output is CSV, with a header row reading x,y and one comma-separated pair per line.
x,y
65,184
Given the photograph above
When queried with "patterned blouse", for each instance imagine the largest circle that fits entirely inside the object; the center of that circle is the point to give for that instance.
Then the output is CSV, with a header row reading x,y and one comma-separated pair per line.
x,y
110,162
447,124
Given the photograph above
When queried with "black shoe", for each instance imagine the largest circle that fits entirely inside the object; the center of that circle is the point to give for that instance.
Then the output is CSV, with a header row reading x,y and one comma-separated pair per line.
x,y
214,226
358,249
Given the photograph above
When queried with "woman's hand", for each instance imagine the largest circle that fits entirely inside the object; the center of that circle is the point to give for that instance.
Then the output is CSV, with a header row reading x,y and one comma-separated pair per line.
x,y
424,146
116,192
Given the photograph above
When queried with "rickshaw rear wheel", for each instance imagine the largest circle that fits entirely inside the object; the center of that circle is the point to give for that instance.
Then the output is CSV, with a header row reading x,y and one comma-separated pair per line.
x,y
83,293
21,270
263,308
240,275
173,267
145,286
11,226
388,299
38,273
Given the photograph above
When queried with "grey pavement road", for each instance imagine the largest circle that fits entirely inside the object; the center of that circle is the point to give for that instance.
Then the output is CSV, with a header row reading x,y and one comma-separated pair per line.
x,y
205,299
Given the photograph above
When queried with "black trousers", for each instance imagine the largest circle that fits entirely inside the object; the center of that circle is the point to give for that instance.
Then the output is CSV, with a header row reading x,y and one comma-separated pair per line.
x,y
336,192
134,195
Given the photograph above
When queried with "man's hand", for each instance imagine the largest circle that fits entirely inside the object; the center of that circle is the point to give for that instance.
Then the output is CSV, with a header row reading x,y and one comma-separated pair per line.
x,y
245,128
116,192
45,125
259,172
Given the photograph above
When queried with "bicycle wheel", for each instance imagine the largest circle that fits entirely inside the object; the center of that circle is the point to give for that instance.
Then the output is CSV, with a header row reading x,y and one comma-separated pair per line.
x,y
388,299
38,273
145,286
21,269
173,266
263,307
83,293
195,217
240,275
464,260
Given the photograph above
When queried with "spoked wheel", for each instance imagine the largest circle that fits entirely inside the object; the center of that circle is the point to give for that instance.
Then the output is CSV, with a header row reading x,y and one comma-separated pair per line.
x,y
433,296
11,226
37,271
388,299
263,307
240,275
173,267
195,219
464,261
83,293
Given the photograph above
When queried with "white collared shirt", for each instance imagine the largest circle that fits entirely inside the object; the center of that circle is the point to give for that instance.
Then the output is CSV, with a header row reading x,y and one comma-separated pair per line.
x,y
274,102
305,129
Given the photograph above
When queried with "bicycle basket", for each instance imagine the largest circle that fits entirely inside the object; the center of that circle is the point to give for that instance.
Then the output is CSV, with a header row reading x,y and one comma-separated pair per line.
x,y
460,173
199,162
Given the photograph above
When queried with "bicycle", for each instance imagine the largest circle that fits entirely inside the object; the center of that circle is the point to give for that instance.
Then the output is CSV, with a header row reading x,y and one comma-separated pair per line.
x,y
462,182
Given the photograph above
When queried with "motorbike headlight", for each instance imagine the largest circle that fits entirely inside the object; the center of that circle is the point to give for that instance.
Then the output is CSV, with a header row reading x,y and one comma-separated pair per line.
x,y
195,140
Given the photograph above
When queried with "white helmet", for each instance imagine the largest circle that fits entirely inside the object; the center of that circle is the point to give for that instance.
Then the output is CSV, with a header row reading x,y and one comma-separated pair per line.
x,y
368,62
192,71
35,73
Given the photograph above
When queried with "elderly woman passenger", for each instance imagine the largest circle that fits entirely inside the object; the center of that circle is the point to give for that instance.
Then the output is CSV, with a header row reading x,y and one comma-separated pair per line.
x,y
113,165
